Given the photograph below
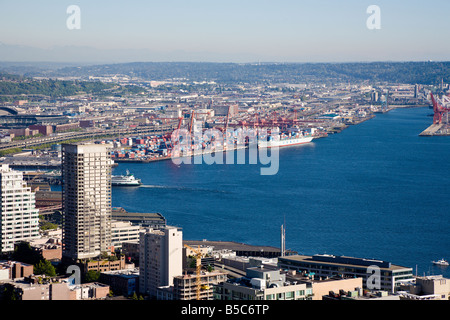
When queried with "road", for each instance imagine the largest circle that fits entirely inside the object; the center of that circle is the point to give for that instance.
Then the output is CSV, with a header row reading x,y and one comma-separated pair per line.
x,y
93,134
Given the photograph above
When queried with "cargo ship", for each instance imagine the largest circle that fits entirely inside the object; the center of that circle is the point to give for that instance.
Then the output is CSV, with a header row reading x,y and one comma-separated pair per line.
x,y
125,180
285,139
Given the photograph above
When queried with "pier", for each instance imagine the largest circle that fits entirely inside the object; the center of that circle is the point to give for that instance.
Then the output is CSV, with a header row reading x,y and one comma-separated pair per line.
x,y
431,130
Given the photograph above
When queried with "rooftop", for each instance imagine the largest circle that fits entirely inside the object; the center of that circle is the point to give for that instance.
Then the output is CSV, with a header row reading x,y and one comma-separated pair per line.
x,y
344,261
235,246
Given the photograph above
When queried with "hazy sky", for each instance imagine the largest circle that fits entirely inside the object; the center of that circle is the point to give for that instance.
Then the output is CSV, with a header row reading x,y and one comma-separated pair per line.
x,y
234,31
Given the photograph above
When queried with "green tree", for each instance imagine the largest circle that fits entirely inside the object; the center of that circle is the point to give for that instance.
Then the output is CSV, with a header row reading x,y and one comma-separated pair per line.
x,y
136,297
92,276
45,267
48,226
24,253
9,293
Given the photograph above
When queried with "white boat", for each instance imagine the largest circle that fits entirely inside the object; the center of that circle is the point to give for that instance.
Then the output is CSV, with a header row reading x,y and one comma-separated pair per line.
x,y
441,262
125,180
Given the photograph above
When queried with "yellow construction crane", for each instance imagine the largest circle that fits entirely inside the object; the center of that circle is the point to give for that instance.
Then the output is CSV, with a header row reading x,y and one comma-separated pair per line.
x,y
198,258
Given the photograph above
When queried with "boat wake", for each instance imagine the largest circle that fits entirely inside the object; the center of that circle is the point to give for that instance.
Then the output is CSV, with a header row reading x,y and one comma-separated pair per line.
x,y
182,188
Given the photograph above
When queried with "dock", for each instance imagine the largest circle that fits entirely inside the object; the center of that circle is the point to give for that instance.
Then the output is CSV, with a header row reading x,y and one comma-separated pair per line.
x,y
435,130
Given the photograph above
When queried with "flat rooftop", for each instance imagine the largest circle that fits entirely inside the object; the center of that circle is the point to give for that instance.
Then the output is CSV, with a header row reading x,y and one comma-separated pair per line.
x,y
122,214
241,249
343,261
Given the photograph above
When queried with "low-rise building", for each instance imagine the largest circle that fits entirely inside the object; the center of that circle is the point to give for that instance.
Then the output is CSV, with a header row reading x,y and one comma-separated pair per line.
x,y
324,287
10,270
185,287
262,284
376,274
147,220
24,290
103,265
49,248
427,288
122,282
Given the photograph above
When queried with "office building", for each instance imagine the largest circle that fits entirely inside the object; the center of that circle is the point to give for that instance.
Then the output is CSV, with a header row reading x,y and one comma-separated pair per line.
x,y
376,274
19,216
160,258
86,185
123,231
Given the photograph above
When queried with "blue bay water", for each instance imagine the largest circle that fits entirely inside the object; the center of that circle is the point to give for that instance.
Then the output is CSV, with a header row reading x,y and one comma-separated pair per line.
x,y
376,190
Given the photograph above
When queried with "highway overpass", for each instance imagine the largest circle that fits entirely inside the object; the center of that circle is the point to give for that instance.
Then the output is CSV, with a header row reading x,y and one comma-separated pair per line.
x,y
152,130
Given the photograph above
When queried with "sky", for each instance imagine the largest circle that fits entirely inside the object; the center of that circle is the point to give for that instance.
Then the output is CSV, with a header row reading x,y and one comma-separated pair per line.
x,y
224,31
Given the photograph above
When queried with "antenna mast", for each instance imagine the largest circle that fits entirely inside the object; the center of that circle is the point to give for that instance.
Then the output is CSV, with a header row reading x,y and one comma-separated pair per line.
x,y
283,240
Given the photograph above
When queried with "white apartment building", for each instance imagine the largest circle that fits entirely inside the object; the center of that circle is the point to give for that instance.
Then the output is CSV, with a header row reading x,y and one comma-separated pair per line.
x,y
19,216
86,186
160,258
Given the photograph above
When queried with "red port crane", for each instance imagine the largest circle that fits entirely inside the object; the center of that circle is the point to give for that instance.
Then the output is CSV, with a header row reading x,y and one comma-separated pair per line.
x,y
439,110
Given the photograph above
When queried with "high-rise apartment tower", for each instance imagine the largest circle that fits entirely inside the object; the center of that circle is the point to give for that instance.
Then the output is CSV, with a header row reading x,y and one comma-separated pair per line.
x,y
86,186
19,218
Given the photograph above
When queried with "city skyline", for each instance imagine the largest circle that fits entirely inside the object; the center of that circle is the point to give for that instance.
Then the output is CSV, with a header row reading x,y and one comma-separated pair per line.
x,y
265,31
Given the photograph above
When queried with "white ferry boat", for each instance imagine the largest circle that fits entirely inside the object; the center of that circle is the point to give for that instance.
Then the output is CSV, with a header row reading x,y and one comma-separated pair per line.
x,y
125,180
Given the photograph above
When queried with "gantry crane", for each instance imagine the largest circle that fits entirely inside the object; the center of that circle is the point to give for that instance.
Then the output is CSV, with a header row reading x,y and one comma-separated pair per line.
x,y
439,110
198,258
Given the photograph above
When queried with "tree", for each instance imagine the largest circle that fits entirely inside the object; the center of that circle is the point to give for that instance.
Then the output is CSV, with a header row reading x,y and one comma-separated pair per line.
x,y
24,253
134,296
44,267
92,276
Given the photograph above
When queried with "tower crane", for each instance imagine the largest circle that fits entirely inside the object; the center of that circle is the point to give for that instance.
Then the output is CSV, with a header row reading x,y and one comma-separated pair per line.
x,y
198,258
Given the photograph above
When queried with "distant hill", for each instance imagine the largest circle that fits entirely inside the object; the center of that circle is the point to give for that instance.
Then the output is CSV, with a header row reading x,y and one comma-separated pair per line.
x,y
13,86
428,73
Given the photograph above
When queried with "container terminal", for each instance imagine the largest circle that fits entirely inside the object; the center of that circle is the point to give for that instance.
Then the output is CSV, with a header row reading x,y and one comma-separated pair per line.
x,y
441,124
